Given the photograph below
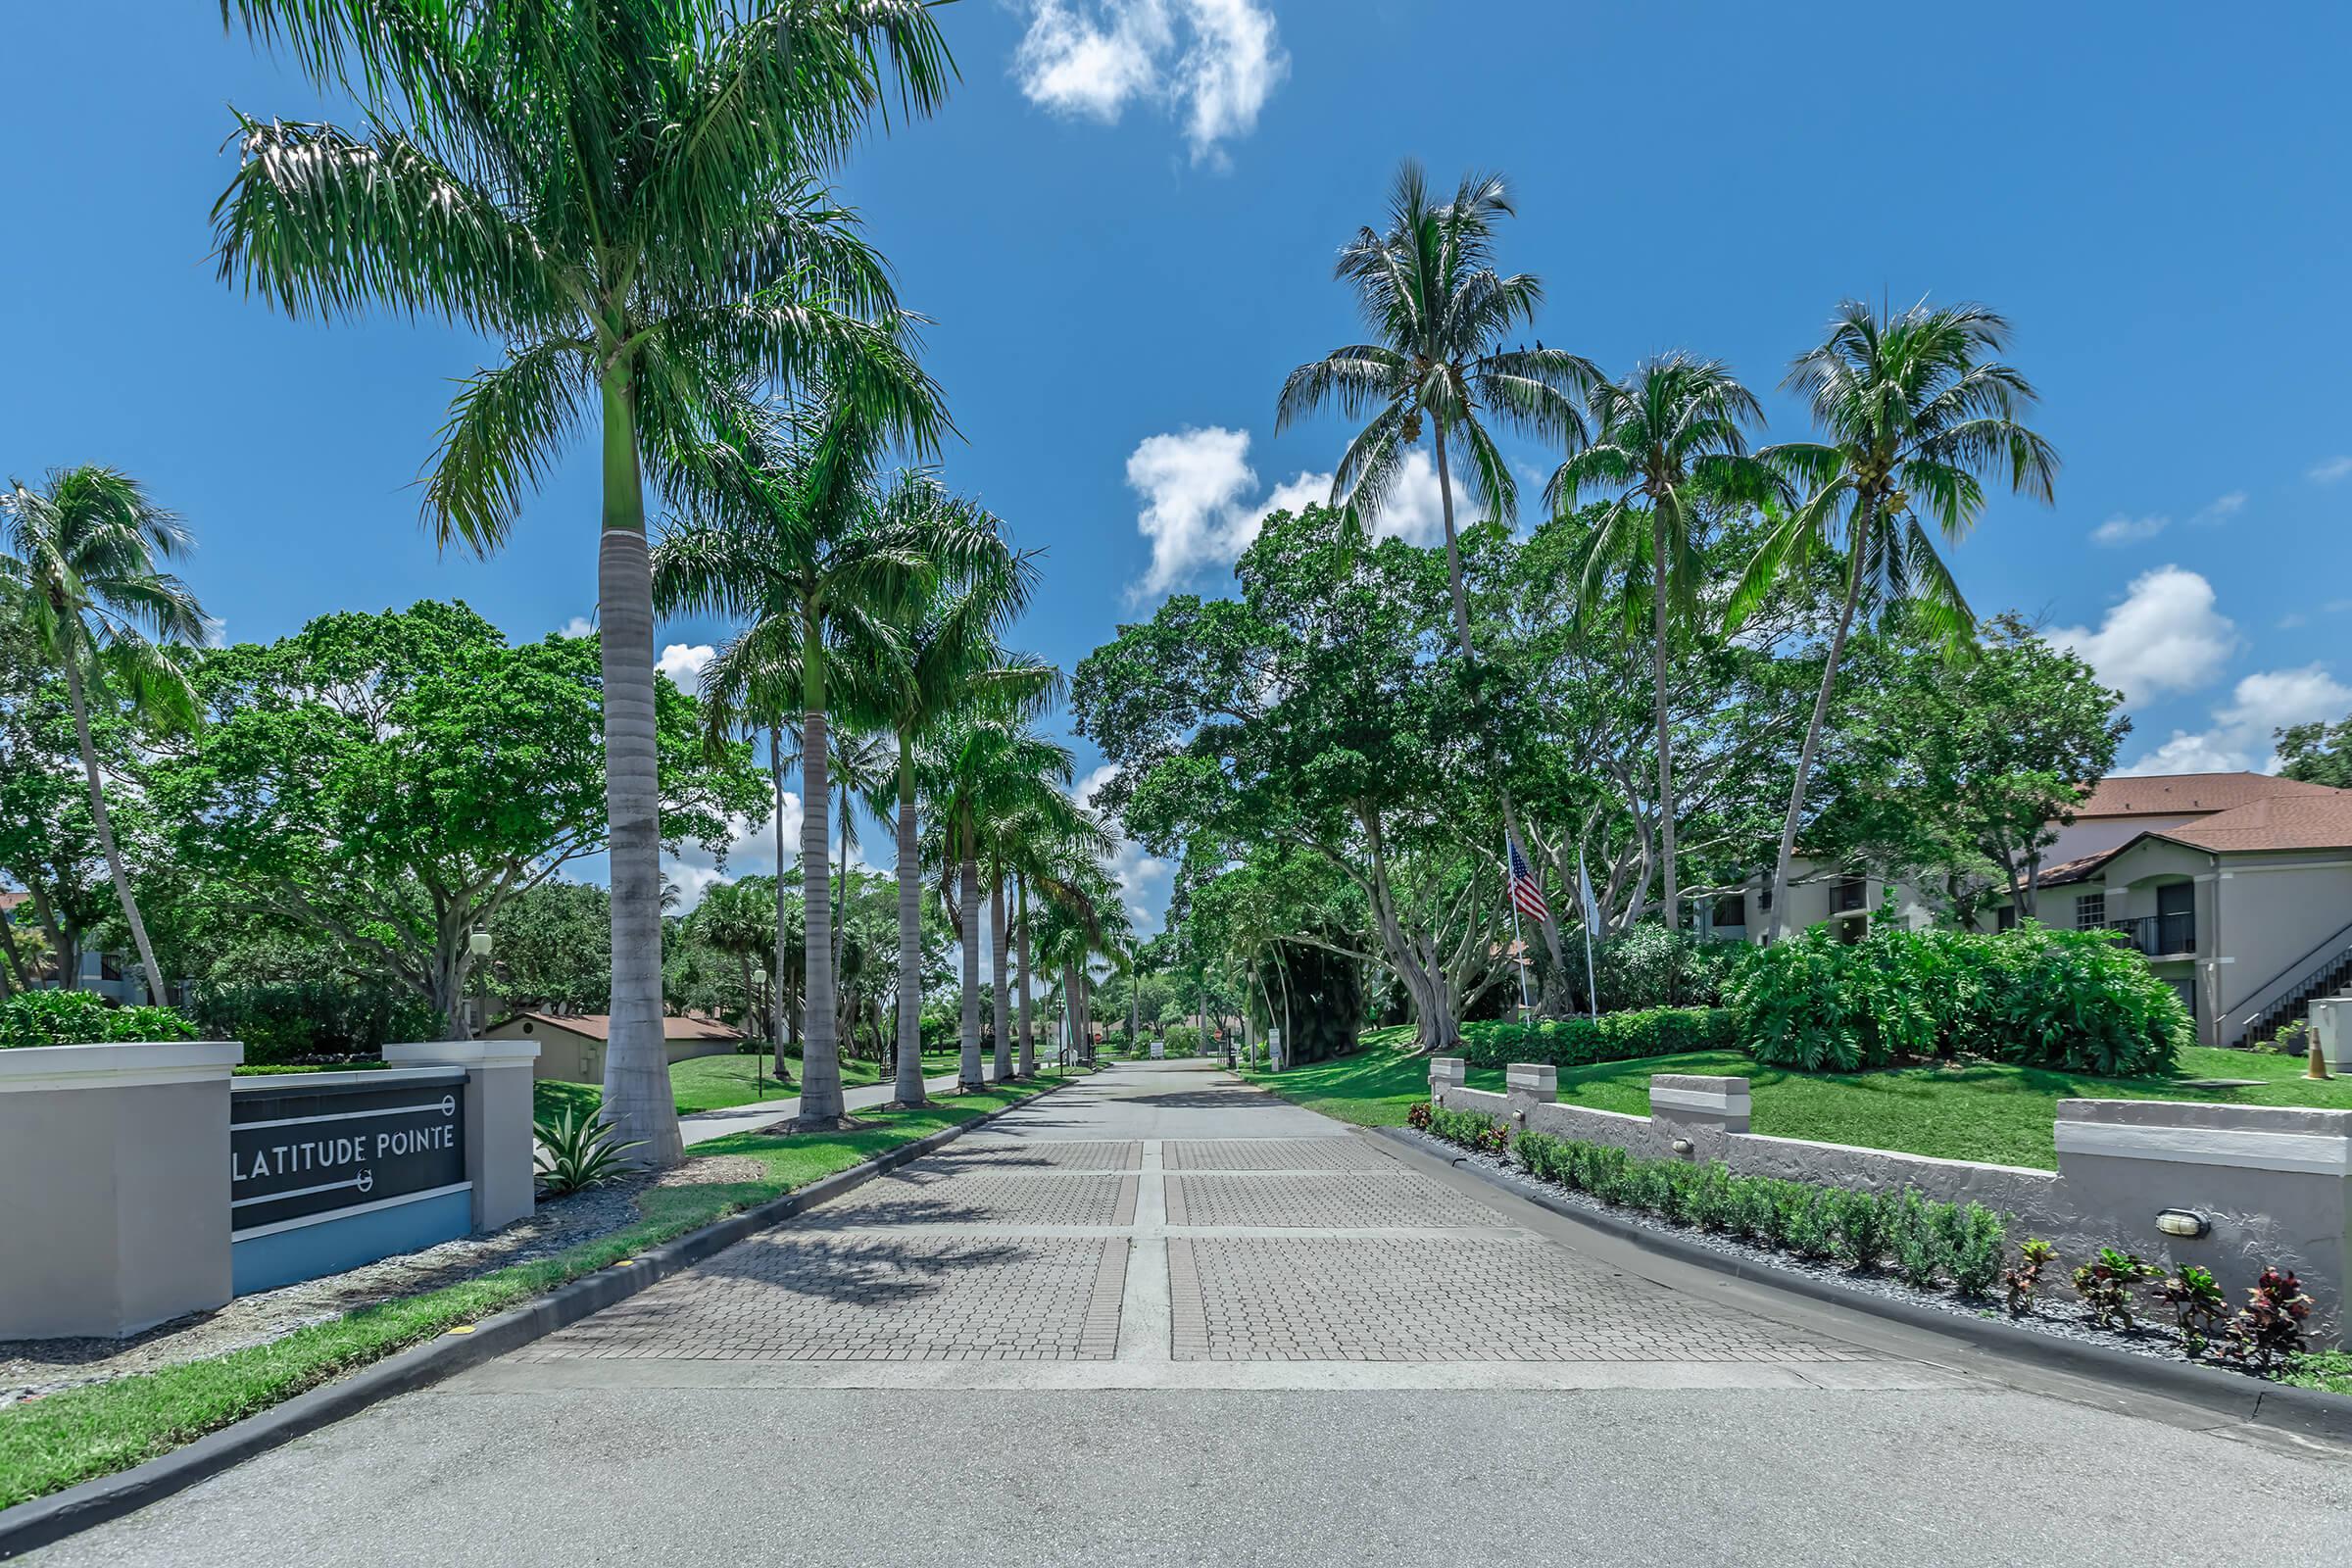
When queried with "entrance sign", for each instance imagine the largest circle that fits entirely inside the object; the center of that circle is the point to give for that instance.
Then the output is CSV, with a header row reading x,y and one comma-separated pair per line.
x,y
306,1148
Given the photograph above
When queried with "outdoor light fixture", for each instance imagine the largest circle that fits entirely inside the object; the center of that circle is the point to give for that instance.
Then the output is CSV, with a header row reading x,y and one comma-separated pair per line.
x,y
2183,1222
478,944
758,977
1682,1146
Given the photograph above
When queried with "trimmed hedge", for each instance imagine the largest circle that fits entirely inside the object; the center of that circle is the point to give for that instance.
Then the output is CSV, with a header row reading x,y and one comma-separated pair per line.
x,y
1612,1037
279,1020
1927,1242
2035,997
83,1018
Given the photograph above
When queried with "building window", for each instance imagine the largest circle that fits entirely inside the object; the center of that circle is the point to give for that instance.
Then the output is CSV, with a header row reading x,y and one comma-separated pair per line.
x,y
1730,909
1849,894
2091,911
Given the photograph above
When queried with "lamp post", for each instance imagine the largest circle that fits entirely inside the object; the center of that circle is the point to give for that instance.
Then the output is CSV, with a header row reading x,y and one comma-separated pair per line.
x,y
477,943
757,1001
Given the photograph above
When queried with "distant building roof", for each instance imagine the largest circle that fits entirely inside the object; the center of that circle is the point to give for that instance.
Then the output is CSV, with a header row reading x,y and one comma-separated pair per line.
x,y
599,1025
2077,870
2179,794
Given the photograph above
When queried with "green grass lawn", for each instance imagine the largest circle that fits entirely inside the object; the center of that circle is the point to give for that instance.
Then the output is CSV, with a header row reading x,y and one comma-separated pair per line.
x,y
54,1442
1999,1115
721,1083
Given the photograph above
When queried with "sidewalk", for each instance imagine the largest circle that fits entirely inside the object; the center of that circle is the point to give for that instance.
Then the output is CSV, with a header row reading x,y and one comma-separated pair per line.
x,y
705,1125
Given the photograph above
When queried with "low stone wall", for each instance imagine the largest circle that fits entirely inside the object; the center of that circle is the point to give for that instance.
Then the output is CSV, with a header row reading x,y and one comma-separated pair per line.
x,y
2271,1185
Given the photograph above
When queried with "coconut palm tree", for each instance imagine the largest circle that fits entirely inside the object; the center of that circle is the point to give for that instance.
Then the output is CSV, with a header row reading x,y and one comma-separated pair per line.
x,y
794,530
1667,435
624,193
81,562
1439,313
977,771
948,664
1914,412
1041,838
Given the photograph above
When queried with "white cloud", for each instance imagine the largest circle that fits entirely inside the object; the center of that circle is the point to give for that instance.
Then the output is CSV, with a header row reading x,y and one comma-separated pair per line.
x,y
1214,62
2164,636
1142,877
2240,737
577,626
750,851
2331,470
683,663
2121,530
2219,510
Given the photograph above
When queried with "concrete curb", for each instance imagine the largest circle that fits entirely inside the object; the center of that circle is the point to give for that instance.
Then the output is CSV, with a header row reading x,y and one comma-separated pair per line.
x,y
45,1520
2234,1395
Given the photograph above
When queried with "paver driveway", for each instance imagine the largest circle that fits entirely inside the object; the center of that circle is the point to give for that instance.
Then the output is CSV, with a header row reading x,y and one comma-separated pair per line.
x,y
1159,1318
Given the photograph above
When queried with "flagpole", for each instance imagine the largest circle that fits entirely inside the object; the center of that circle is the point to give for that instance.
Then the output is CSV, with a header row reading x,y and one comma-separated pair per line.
x,y
1584,886
1511,896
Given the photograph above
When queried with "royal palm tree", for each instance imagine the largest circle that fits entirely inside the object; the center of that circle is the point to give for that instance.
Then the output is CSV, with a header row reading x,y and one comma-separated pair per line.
x,y
1913,409
803,539
81,560
1038,837
1666,436
946,664
625,194
1439,313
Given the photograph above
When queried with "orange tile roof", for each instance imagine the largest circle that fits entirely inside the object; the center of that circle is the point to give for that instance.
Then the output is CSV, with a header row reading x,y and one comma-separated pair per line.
x,y
2176,794
2290,823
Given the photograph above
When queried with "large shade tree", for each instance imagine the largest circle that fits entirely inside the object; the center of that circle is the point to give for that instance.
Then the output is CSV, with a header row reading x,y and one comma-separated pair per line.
x,y
1667,435
80,558
1914,411
626,195
1437,362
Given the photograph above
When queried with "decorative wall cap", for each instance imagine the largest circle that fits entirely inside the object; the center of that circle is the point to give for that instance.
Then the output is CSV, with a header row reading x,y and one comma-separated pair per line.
x,y
1532,1074
2311,1120
1448,1070
464,1054
1708,1083
125,1065
2314,1153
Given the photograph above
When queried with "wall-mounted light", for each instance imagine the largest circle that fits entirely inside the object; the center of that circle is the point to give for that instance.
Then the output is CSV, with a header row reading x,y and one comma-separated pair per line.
x,y
1682,1146
2183,1222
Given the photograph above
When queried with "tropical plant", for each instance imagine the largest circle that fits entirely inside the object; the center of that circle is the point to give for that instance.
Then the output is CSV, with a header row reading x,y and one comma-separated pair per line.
x,y
80,563
2021,1281
2197,1303
1438,311
1913,409
2270,1326
577,1150
82,1017
625,193
2106,1283
1666,438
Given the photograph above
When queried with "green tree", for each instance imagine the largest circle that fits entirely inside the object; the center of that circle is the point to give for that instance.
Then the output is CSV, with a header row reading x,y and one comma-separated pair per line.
x,y
807,542
2317,753
1913,409
389,782
625,194
1668,434
82,566
552,945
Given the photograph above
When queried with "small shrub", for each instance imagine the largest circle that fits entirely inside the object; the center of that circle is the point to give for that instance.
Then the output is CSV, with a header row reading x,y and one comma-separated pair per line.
x,y
2019,1282
1485,1134
1865,1228
2197,1304
1921,1257
2105,1286
2270,1326
1813,1225
1714,1200
1612,1037
1416,1117
83,1018
577,1152
1647,966
1977,1237
281,1019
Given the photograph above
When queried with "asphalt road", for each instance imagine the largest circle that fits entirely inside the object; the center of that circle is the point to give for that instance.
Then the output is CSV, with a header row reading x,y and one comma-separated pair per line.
x,y
1610,1406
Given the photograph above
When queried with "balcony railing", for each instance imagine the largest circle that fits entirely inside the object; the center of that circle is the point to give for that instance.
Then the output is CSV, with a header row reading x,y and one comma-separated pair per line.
x,y
2160,936
1847,895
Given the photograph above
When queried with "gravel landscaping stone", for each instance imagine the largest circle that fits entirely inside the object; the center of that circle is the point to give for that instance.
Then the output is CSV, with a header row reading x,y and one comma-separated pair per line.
x,y
32,1368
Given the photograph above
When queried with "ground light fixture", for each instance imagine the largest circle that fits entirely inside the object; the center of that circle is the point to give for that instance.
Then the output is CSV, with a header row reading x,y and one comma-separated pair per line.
x,y
2183,1222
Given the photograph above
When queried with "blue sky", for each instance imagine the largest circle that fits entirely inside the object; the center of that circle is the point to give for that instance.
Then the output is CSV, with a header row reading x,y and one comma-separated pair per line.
x,y
1123,222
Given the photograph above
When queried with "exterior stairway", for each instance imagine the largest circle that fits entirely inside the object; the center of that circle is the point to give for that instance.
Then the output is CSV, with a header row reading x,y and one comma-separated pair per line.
x,y
2326,971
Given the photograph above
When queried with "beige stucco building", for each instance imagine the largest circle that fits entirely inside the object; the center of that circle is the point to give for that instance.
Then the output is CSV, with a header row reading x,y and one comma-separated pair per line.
x,y
572,1046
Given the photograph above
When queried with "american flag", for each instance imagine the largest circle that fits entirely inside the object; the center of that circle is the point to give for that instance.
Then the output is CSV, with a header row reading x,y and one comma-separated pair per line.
x,y
1524,891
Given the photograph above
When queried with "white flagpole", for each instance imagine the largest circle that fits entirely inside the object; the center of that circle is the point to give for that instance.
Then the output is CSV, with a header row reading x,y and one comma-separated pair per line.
x,y
1510,896
1583,888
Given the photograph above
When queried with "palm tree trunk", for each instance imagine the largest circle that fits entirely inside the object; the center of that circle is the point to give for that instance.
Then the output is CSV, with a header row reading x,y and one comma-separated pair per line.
x,y
1028,1042
841,899
820,1045
1669,903
1821,710
106,826
910,936
999,955
968,1068
638,1104
775,989
1453,549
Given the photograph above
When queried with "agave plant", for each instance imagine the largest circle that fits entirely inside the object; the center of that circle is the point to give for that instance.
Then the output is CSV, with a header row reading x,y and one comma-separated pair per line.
x,y
577,1152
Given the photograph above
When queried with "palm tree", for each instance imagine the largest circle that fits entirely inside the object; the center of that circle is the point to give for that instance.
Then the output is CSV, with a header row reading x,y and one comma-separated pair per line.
x,y
1039,838
793,530
1666,435
979,770
81,561
1914,411
948,664
623,192
1439,313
